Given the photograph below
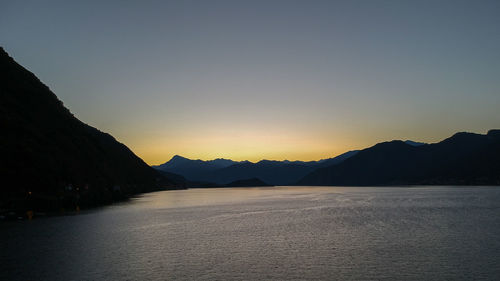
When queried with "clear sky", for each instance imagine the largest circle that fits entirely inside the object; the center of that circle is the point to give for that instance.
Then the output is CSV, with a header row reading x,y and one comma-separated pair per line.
x,y
264,79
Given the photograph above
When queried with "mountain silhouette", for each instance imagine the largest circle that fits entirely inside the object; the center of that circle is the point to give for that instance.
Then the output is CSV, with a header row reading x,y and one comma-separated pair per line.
x,y
223,171
414,143
463,159
52,157
195,170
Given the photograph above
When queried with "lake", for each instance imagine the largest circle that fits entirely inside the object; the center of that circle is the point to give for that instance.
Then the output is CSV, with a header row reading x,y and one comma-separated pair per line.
x,y
276,233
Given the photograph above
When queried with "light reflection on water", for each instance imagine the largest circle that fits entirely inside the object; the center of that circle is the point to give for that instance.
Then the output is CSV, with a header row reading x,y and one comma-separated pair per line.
x,y
315,233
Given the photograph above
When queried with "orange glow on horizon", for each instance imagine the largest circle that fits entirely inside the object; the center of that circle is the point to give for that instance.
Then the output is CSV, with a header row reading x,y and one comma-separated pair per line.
x,y
270,141
251,148
240,147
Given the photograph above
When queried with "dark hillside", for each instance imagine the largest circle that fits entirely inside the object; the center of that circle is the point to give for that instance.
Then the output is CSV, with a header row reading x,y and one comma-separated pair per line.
x,y
462,159
50,154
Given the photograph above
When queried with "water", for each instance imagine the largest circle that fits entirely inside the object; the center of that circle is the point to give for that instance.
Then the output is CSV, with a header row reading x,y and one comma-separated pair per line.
x,y
292,233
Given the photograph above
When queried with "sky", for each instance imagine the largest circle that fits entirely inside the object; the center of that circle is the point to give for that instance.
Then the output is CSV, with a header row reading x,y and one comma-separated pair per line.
x,y
251,80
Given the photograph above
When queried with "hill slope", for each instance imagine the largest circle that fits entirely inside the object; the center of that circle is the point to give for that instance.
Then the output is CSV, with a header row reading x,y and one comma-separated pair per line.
x,y
49,152
463,159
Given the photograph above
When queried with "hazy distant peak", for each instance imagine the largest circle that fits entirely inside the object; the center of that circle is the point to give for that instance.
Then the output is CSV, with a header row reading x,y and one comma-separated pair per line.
x,y
223,159
461,137
178,157
389,143
414,143
193,168
265,161
462,134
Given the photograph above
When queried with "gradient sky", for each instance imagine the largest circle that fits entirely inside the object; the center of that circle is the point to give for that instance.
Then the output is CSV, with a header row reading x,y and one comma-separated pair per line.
x,y
264,79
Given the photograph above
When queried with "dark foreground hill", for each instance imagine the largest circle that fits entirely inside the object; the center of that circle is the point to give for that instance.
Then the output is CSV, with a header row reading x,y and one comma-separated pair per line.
x,y
51,159
463,159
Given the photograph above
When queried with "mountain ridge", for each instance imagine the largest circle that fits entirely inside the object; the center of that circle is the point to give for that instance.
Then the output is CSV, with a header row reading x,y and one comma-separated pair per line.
x,y
273,172
462,159
48,153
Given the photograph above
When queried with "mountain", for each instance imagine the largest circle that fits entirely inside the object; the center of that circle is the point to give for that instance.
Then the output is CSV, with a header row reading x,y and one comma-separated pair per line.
x,y
272,172
463,159
414,143
52,158
336,160
194,170
223,171
179,162
254,182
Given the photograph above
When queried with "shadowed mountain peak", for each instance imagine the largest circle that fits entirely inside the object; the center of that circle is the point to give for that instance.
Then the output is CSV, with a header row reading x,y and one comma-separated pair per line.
x,y
414,143
462,159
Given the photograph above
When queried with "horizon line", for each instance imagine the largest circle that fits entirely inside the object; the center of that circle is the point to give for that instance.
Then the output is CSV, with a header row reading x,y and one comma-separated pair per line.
x,y
321,159
263,159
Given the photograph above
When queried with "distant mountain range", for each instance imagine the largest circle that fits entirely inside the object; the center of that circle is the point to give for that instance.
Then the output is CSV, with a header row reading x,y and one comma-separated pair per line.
x,y
463,159
194,169
224,171
52,158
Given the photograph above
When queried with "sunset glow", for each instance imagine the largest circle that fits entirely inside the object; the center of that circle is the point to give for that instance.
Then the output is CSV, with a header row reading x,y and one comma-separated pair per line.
x,y
252,80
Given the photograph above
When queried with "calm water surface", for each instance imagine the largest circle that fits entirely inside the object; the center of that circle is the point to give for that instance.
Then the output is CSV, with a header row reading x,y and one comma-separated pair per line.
x,y
292,233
